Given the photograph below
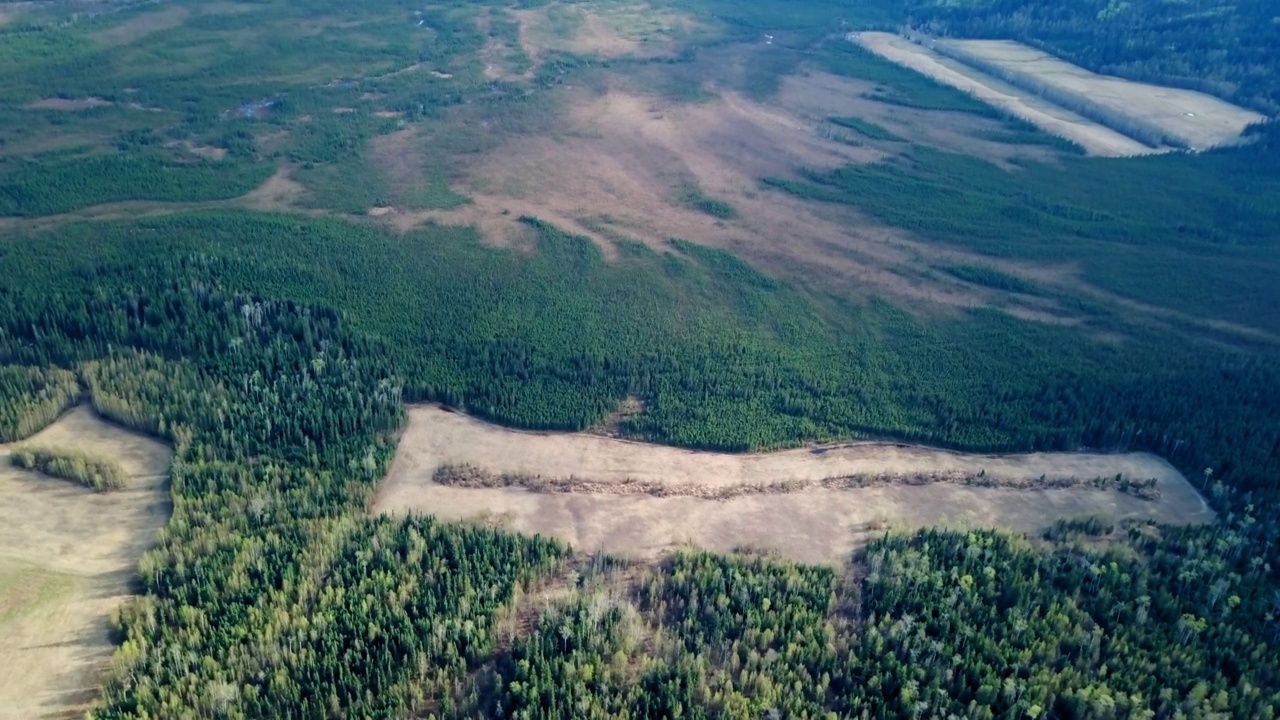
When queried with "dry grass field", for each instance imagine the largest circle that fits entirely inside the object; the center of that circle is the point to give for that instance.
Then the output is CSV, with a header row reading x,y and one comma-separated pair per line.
x,y
1200,120
818,525
68,557
616,165
606,30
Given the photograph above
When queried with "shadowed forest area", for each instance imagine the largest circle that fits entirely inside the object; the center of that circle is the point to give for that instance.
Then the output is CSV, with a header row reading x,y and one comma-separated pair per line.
x,y
256,231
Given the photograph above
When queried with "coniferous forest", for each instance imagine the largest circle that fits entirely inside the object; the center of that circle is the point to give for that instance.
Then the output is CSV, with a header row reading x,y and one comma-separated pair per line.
x,y
276,349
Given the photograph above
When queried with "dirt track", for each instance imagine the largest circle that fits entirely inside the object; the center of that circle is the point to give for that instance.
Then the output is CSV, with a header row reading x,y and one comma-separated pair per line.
x,y
68,557
816,525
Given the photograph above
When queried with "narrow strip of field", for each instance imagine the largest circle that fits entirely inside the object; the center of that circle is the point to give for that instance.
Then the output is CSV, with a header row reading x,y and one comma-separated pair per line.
x,y
68,557
816,524
1095,138
1197,120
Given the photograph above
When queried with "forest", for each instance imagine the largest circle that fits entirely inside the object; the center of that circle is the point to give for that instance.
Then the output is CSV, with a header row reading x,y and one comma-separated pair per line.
x,y
276,351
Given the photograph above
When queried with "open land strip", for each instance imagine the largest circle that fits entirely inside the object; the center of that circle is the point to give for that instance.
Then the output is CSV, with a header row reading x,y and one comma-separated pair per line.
x,y
1094,137
1195,119
806,514
68,558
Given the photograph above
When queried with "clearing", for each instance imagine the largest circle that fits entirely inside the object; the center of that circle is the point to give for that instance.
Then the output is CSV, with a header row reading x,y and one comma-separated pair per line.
x,y
1096,139
68,557
812,525
1201,121
606,30
1198,120
619,164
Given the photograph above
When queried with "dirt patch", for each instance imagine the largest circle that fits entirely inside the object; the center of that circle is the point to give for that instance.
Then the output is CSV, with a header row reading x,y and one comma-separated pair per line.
x,y
68,556
68,104
1199,120
278,192
1093,137
817,524
209,152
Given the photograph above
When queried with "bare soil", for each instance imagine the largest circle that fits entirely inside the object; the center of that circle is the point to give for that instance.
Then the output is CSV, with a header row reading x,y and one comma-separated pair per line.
x,y
1200,120
1096,139
68,557
814,525
278,192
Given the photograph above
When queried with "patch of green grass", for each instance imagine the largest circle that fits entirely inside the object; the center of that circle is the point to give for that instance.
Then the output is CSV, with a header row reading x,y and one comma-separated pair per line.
x,y
987,276
1019,132
1196,233
896,85
866,128
693,197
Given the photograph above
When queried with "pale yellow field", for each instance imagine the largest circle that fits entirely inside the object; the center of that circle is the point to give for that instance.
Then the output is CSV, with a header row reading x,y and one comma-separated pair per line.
x,y
68,557
1202,121
815,525
1094,138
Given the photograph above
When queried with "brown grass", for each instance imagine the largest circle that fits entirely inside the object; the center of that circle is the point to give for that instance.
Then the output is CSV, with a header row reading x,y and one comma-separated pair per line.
x,y
605,30
278,192
820,522
68,557
617,163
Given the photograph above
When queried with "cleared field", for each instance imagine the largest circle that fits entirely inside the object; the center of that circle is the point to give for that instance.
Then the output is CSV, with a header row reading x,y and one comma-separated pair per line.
x,y
816,525
68,556
1096,139
1201,121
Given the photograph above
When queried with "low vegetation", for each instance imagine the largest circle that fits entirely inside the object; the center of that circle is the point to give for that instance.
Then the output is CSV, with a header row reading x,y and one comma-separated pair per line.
x,y
97,473
866,128
470,476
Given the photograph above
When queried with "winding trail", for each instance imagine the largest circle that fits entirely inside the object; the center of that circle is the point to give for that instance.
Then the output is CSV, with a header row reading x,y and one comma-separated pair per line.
x,y
815,525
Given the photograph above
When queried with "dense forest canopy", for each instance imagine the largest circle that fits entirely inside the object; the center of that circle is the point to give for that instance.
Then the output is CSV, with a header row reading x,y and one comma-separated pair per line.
x,y
1231,50
275,345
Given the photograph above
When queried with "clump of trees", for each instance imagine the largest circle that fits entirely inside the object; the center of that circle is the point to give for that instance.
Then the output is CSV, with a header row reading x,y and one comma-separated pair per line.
x,y
32,398
91,471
